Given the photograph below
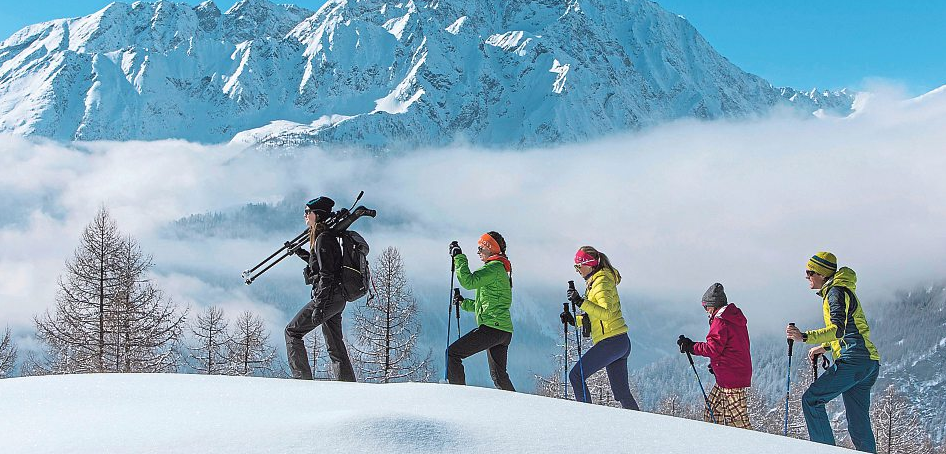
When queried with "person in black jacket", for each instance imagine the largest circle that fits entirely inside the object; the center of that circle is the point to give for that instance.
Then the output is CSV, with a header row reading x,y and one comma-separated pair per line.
x,y
323,273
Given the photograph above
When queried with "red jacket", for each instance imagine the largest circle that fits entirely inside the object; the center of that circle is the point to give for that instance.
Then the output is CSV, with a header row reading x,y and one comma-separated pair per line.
x,y
727,347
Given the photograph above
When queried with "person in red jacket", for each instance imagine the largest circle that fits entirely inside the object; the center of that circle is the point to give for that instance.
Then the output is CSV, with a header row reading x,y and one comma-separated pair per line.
x,y
727,347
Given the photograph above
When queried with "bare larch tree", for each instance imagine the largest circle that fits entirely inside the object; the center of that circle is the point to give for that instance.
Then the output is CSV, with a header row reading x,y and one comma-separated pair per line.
x,y
108,317
249,352
898,425
388,328
208,349
7,354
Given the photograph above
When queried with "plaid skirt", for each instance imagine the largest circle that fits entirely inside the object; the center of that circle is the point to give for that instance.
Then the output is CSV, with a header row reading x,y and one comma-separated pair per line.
x,y
729,407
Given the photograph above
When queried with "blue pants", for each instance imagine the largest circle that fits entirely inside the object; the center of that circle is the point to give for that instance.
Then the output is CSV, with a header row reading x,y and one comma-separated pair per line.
x,y
851,378
610,353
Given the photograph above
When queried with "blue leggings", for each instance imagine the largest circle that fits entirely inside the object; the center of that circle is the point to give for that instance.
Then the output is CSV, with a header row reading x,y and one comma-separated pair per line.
x,y
610,353
851,378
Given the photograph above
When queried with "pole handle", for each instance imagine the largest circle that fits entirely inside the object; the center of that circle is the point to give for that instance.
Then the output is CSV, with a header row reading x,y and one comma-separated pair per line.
x,y
689,356
565,324
571,285
456,295
791,342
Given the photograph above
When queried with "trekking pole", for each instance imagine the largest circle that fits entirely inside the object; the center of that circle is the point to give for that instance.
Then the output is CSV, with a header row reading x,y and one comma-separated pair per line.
x,y
446,350
456,294
788,381
565,374
581,368
814,366
702,389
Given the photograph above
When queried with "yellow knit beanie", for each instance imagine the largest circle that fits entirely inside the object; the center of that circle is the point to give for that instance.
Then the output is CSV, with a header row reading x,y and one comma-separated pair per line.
x,y
823,263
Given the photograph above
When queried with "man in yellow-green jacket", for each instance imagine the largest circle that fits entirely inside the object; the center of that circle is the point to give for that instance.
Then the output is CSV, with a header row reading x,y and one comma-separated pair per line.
x,y
847,336
606,322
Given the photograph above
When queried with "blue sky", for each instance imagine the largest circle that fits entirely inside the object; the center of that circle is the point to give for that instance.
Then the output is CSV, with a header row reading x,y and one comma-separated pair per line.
x,y
802,44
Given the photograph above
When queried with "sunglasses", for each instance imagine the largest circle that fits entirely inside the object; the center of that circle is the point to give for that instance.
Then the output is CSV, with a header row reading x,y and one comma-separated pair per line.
x,y
809,273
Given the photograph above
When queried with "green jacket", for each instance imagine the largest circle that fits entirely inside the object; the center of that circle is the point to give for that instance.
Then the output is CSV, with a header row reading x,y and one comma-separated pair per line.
x,y
846,333
493,293
603,306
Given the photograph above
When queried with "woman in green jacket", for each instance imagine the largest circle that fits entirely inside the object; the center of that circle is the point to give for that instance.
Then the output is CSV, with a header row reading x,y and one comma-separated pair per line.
x,y
608,330
493,332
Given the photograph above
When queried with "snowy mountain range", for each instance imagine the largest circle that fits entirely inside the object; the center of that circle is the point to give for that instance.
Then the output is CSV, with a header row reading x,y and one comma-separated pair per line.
x,y
375,74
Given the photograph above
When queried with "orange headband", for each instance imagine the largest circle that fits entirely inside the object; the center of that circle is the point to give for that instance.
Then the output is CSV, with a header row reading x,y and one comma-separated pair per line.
x,y
489,243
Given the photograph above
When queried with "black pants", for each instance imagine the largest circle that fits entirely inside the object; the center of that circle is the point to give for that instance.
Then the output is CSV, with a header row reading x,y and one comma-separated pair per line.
x,y
308,318
495,341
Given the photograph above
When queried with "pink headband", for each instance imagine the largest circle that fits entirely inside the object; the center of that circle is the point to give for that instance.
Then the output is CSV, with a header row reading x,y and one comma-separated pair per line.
x,y
584,258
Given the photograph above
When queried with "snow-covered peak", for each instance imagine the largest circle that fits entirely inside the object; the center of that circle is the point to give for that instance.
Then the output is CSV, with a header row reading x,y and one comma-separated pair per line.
x,y
400,73
254,19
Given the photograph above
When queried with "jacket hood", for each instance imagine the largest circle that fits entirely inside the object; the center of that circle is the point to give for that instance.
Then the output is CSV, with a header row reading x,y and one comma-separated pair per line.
x,y
605,272
845,277
732,314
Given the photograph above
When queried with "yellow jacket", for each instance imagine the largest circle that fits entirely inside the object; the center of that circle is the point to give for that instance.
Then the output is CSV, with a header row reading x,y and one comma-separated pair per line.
x,y
603,305
846,333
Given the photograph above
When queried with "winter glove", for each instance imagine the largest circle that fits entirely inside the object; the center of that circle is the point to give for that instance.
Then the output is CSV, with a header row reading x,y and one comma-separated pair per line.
x,y
686,345
585,325
567,317
296,250
575,297
455,249
458,298
308,275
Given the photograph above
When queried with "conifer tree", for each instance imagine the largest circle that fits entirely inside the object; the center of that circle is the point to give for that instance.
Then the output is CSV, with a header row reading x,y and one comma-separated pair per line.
x,y
7,354
897,425
388,327
211,342
249,352
108,316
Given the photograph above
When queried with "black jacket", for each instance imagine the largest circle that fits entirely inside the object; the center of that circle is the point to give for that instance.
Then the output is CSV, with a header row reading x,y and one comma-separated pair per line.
x,y
324,268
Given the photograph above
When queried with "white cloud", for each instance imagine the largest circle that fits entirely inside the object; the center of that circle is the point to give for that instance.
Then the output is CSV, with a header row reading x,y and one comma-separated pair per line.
x,y
676,208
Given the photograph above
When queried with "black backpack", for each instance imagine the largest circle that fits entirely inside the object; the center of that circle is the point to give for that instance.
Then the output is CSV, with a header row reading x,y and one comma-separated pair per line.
x,y
355,275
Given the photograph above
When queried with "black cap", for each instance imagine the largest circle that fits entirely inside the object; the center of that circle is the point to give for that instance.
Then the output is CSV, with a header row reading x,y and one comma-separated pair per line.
x,y
321,205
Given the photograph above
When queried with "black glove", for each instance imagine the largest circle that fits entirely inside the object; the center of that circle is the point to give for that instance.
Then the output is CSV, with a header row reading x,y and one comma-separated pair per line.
x,y
710,367
455,249
686,345
458,298
567,317
308,275
296,250
575,297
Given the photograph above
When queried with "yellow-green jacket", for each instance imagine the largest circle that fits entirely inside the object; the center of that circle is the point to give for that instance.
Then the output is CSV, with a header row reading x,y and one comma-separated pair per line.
x,y
846,333
603,306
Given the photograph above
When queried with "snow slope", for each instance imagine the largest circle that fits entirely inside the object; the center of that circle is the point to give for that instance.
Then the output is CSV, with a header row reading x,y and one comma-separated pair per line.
x,y
213,414
374,73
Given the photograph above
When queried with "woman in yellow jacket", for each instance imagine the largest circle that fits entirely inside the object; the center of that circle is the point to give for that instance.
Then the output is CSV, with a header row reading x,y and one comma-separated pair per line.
x,y
608,330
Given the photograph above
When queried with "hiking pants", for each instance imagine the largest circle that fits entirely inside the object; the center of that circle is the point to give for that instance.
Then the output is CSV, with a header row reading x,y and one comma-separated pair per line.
x,y
309,317
851,378
730,407
496,344
610,353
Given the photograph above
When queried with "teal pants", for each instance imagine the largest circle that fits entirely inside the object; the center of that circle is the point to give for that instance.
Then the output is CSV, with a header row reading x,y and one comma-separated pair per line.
x,y
851,378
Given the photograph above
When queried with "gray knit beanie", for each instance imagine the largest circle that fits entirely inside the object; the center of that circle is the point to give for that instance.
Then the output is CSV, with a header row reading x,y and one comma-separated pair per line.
x,y
715,296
